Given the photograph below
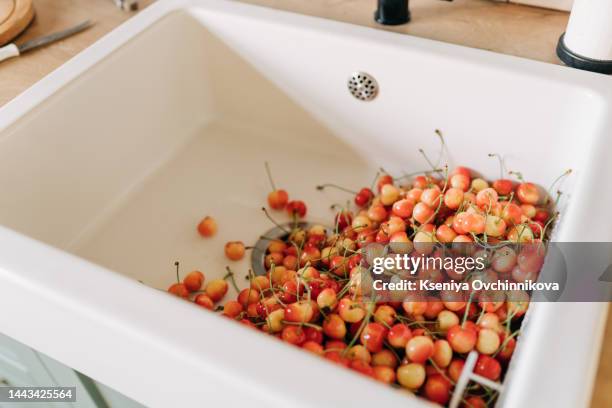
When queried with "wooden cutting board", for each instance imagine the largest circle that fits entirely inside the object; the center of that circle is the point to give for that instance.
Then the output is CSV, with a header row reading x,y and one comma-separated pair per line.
x,y
15,16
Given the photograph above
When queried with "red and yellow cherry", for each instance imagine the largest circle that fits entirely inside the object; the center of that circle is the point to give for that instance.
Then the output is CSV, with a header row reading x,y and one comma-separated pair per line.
x,y
193,281
299,312
313,347
293,335
384,357
455,368
503,186
326,300
351,311
384,374
278,199
488,367
296,208
419,349
179,289
462,340
403,208
334,327
528,193
232,309
216,289
205,301
372,336
431,196
207,227
411,376
437,389
234,250
399,335
442,353
488,341
385,315
486,198
423,213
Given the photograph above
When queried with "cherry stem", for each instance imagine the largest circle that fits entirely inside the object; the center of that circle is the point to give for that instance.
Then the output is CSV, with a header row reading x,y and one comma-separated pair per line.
x,y
467,309
375,179
230,275
517,174
502,168
273,220
178,279
269,173
427,159
442,146
324,186
557,180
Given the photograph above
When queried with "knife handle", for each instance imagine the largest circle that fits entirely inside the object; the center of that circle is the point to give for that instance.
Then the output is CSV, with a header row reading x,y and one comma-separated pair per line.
x,y
8,51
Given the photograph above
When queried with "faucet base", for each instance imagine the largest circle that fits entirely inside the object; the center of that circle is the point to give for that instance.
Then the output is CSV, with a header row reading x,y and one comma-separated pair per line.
x,y
392,12
574,60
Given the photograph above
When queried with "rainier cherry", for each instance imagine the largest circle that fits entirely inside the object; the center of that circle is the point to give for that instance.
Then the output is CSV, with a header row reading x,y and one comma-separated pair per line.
x,y
216,289
528,193
411,376
503,186
350,311
479,184
299,312
442,354
462,340
179,289
384,374
504,260
511,213
399,335
431,197
384,357
207,227
488,367
384,180
277,199
334,327
460,181
453,198
403,208
486,198
389,194
293,335
474,401
372,337
363,197
234,250
296,208
419,349
204,300
423,213
488,341
232,309
447,319
437,389
193,281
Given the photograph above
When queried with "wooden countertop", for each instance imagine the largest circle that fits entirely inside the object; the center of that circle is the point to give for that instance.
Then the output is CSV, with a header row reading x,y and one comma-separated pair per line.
x,y
506,28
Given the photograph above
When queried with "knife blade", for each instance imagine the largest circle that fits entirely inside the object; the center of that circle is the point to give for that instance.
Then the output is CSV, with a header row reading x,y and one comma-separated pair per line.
x,y
14,50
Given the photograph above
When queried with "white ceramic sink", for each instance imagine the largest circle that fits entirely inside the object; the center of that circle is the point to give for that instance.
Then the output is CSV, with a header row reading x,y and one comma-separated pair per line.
x,y
107,165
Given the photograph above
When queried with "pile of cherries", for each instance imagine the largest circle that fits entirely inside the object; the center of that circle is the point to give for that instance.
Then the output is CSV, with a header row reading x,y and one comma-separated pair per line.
x,y
310,298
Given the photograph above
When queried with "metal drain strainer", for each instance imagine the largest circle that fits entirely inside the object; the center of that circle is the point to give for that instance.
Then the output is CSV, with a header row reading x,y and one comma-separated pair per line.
x,y
259,249
363,86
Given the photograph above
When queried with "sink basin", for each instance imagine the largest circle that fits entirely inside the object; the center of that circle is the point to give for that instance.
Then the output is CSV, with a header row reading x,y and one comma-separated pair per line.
x,y
108,164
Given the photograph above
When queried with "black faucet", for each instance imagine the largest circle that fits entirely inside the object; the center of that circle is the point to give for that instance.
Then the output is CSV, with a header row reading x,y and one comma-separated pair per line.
x,y
393,12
